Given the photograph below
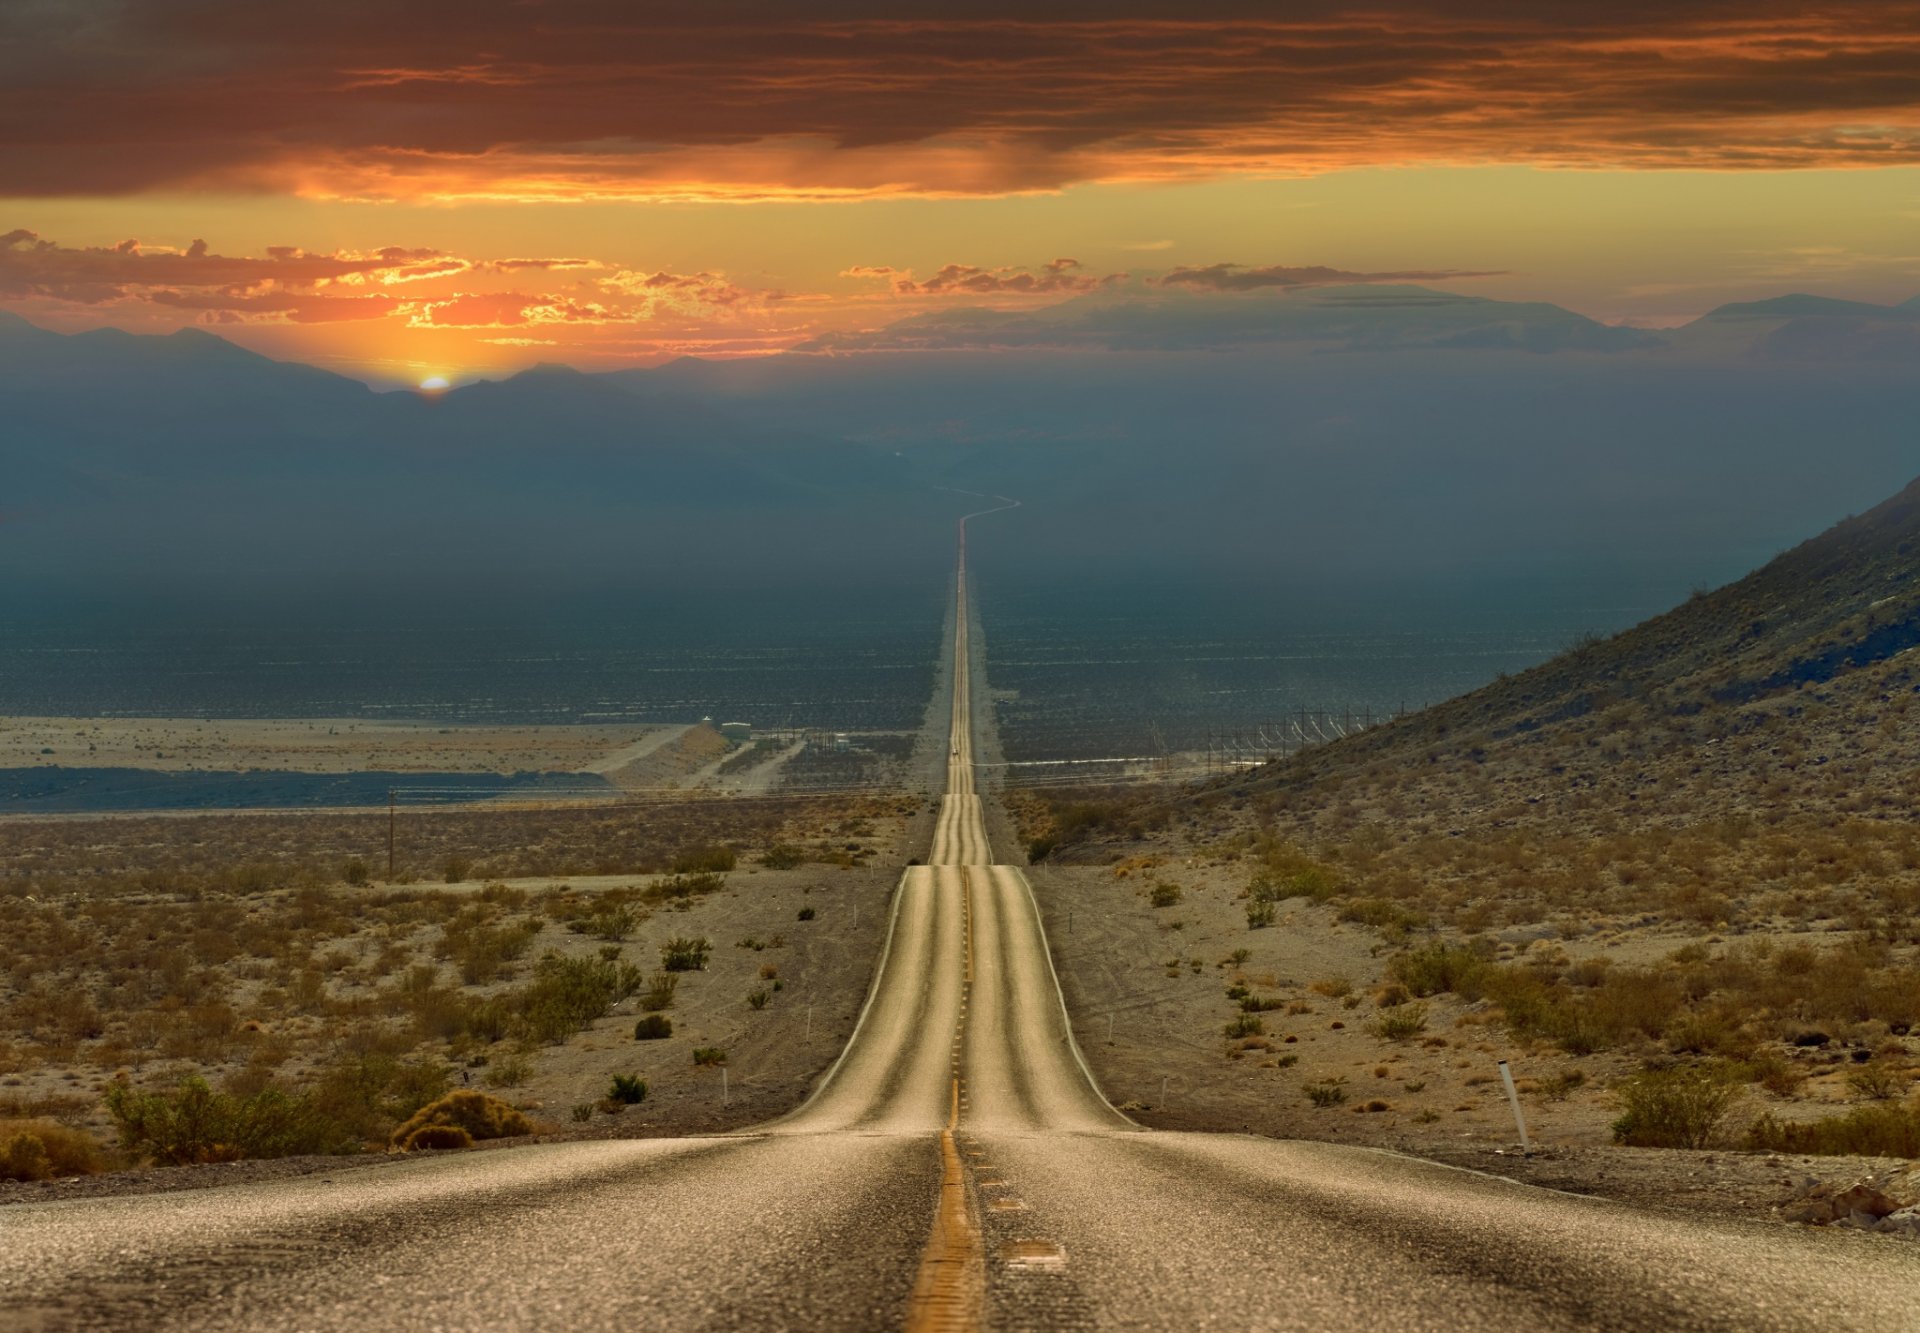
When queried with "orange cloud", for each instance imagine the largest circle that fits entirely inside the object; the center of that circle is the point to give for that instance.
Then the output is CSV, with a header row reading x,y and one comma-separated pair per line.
x,y
747,99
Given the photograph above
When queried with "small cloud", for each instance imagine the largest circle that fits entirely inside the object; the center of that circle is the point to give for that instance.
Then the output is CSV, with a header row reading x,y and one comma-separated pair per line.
x,y
1056,276
1241,278
1148,246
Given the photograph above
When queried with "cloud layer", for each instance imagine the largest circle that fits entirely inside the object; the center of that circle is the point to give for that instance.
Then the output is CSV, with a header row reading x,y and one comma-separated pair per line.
x,y
503,99
428,288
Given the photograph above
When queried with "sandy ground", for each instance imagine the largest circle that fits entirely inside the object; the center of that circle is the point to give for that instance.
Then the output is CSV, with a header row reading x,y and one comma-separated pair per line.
x,y
1146,988
319,745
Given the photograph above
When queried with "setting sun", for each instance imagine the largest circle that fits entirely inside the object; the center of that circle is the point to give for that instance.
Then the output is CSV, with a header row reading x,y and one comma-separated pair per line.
x,y
435,384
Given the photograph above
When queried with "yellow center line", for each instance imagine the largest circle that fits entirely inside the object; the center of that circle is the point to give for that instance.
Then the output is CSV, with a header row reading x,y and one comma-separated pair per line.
x,y
947,1291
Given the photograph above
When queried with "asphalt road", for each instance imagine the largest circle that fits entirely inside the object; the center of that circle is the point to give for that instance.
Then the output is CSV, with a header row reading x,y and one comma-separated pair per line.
x,y
955,1168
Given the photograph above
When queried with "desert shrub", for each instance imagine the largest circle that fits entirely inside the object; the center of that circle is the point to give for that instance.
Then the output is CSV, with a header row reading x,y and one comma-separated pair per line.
x,y
567,994
659,993
784,856
685,955
24,1157
1880,1130
509,1071
1383,915
1436,968
757,999
1555,1087
1260,915
1164,894
1333,987
1260,1004
478,949
438,1138
481,1116
1327,1092
806,914
712,859
193,1123
680,890
627,1089
1400,1023
1678,1107
366,1089
1245,1025
455,869
582,1112
710,1057
653,1028
610,921
45,1149
1879,1080
355,872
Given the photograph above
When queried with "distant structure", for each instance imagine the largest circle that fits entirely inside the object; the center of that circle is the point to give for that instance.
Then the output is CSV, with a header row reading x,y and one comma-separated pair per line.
x,y
737,731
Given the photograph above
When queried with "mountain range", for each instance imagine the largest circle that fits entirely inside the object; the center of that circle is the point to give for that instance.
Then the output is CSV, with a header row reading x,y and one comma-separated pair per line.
x,y
1339,438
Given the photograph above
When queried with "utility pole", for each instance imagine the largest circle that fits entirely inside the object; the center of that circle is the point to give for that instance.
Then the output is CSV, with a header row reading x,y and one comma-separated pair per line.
x,y
390,795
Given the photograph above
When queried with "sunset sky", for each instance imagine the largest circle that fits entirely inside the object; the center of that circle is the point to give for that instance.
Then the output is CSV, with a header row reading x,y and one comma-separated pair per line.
x,y
408,189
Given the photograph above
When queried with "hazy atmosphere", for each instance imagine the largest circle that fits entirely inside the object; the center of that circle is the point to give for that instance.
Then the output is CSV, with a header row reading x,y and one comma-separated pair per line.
x,y
850,666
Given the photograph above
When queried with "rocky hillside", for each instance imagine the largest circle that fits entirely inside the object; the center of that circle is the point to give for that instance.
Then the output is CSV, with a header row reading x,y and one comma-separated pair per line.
x,y
1787,694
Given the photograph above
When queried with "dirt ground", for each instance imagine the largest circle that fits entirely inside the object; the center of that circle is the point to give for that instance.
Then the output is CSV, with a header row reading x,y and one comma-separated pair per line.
x,y
317,745
1147,990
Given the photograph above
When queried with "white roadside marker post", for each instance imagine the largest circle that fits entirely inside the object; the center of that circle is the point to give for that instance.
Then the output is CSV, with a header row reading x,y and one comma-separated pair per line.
x,y
809,1031
1513,1100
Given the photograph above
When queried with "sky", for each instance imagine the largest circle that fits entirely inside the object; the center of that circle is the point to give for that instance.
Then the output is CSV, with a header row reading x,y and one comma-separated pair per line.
x,y
422,189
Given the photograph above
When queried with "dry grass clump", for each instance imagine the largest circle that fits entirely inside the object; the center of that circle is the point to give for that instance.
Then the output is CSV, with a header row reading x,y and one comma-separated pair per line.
x,y
46,1149
1872,1131
478,1115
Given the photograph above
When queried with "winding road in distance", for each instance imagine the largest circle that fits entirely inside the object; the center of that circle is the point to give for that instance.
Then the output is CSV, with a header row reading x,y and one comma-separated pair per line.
x,y
956,1168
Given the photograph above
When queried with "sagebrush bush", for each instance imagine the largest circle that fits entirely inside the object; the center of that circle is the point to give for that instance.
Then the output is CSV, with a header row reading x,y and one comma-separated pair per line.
x,y
681,954
1327,1092
1436,968
567,994
660,988
46,1149
711,1057
1679,1107
481,1116
1245,1025
1400,1023
653,1027
192,1123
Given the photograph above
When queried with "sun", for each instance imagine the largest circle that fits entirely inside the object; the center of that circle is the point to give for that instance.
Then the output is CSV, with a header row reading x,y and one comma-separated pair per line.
x,y
435,384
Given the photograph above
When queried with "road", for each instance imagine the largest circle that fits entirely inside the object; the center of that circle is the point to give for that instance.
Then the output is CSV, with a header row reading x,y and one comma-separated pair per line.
x,y
955,1168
